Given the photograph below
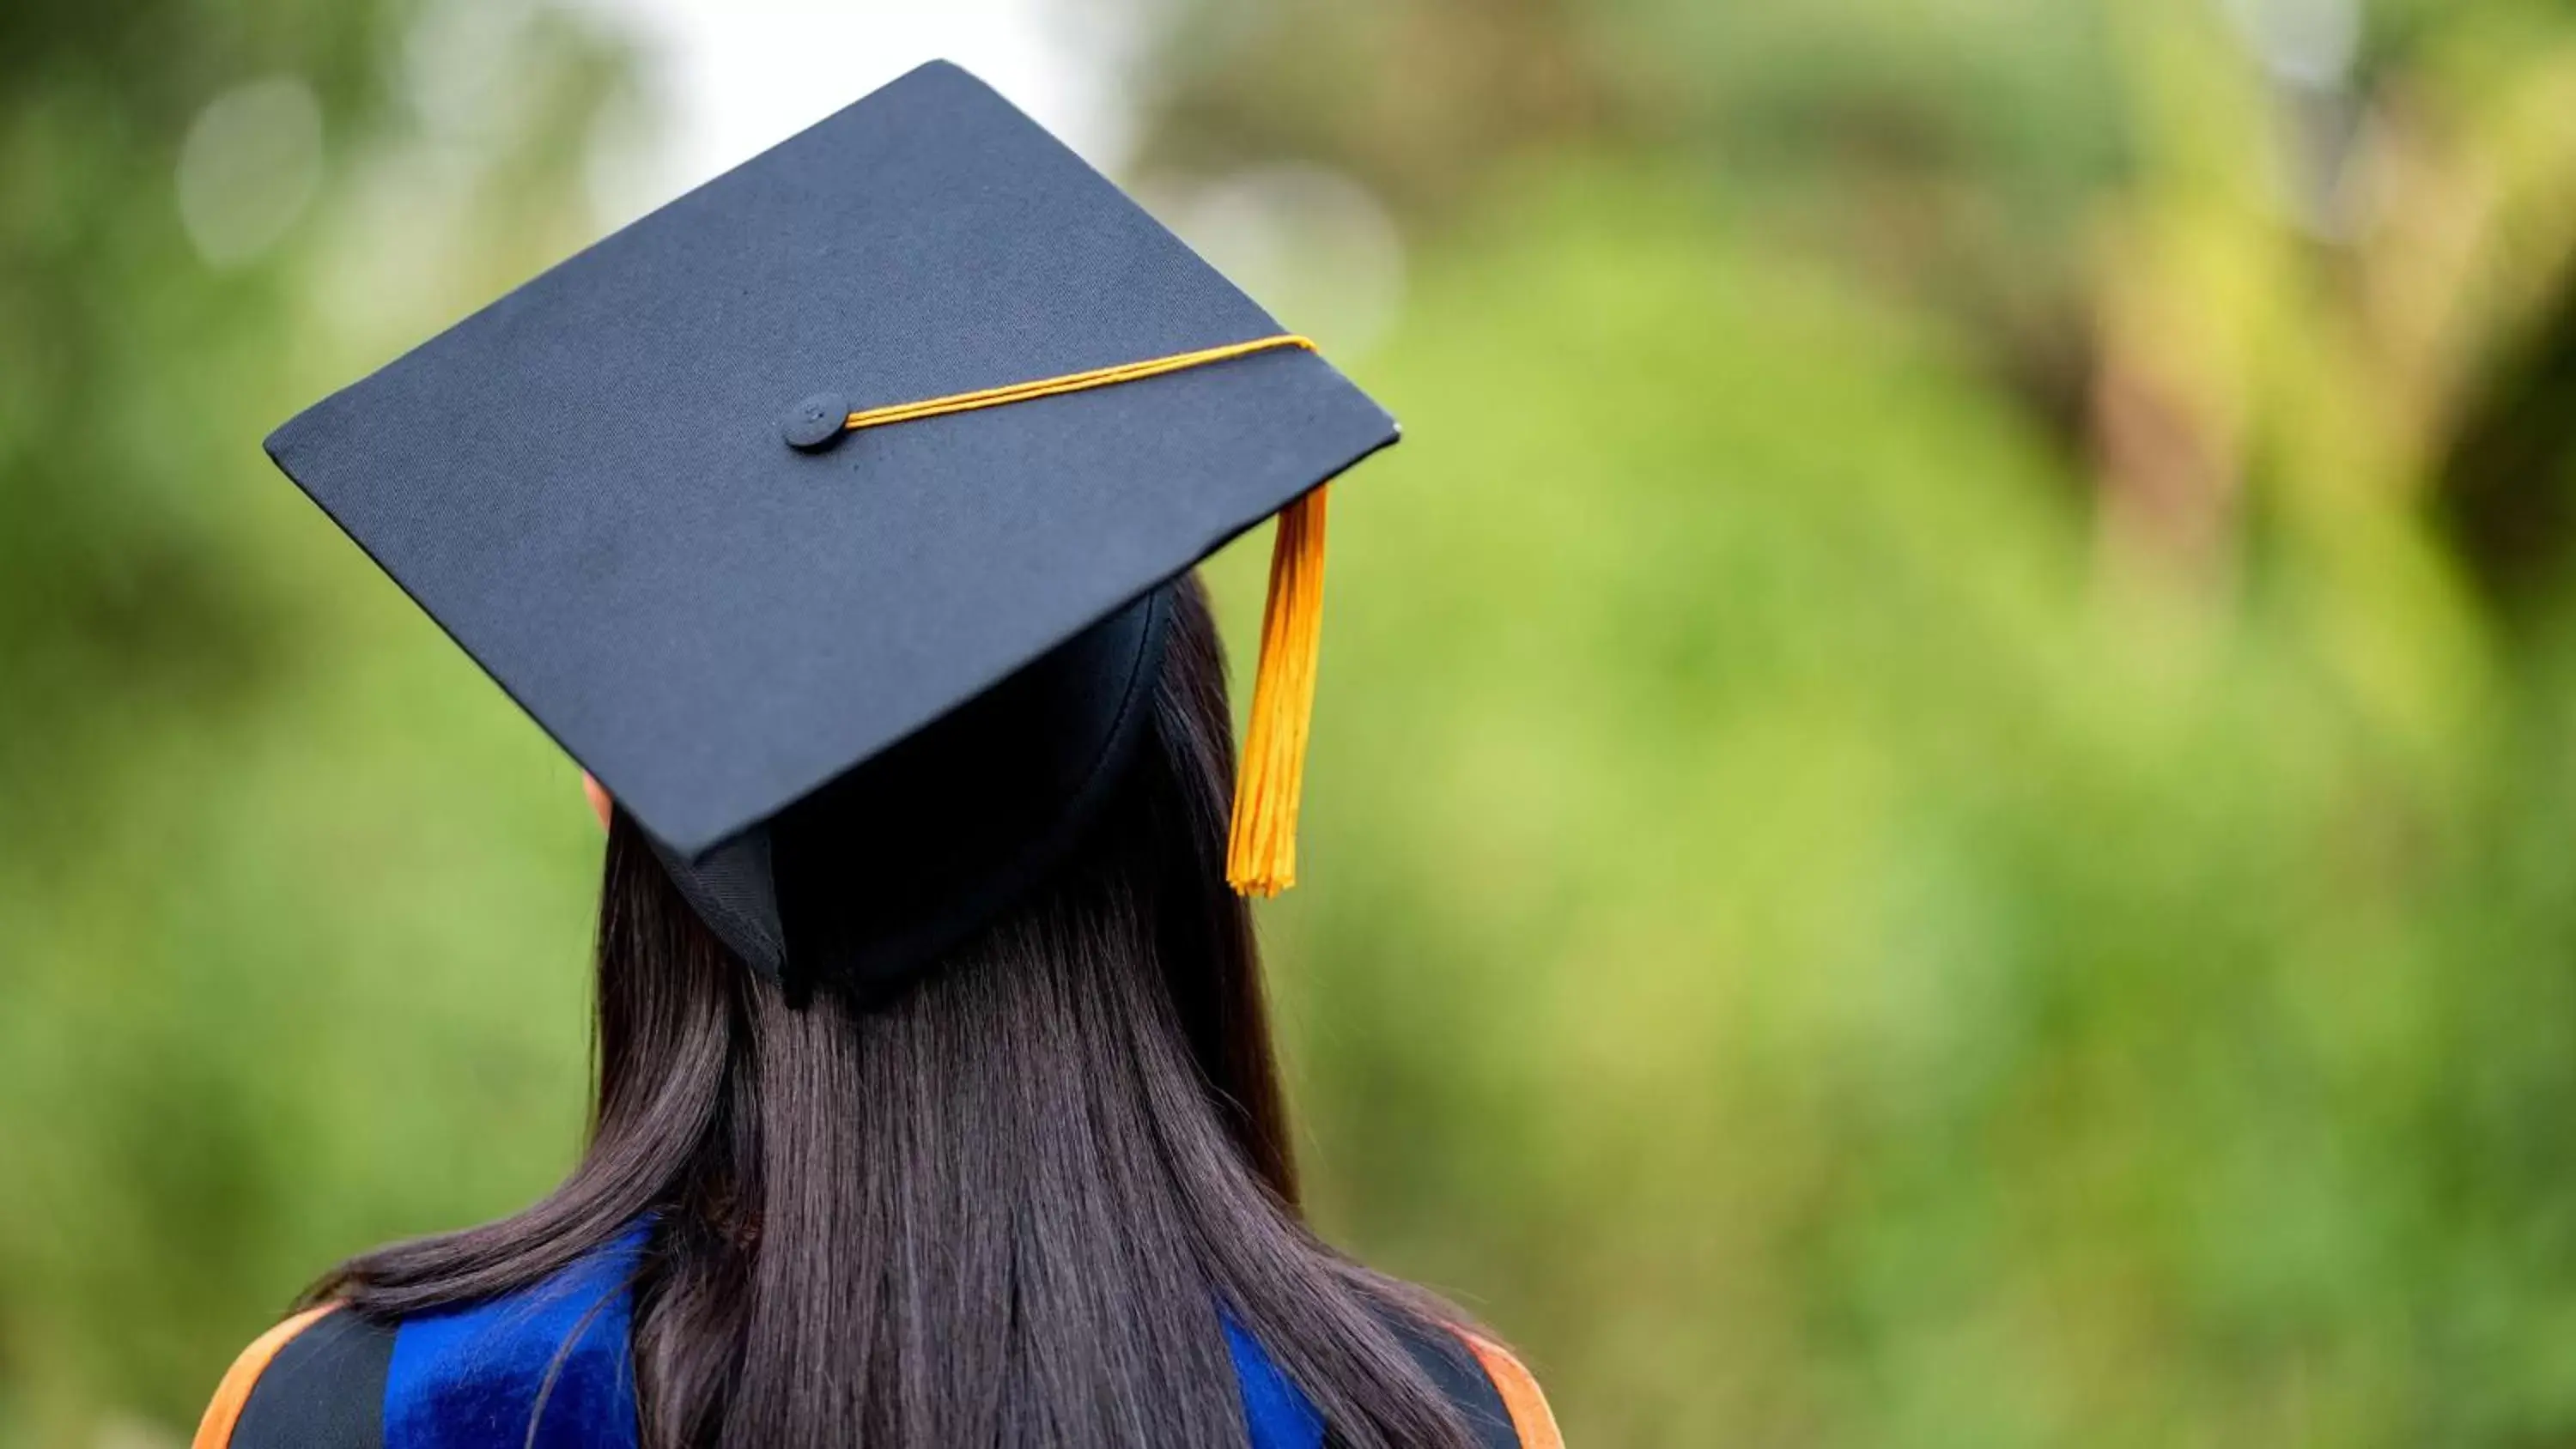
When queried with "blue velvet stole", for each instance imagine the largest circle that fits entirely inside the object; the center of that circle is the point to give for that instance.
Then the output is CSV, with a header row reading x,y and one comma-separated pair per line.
x,y
543,1368
548,1368
1275,1411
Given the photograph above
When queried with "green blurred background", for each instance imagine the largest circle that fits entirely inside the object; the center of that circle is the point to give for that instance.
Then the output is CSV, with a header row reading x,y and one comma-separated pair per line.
x,y
1944,788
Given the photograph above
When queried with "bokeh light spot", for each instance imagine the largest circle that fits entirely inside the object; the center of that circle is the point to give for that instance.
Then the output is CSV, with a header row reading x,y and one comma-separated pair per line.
x,y
249,167
1314,245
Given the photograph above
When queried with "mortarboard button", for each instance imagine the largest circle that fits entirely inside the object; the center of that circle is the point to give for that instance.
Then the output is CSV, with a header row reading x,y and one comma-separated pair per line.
x,y
813,424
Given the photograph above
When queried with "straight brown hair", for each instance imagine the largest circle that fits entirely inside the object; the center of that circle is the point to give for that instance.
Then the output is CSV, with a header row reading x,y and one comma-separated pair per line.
x,y
1007,1208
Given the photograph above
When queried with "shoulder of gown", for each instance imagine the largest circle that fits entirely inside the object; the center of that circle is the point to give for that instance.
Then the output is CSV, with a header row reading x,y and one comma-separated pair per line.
x,y
1496,1397
316,1381
1532,1420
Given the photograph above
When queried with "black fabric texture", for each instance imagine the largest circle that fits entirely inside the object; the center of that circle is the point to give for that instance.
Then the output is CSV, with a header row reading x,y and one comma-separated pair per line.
x,y
1452,1368
324,1390
868,880
732,890
586,484
894,863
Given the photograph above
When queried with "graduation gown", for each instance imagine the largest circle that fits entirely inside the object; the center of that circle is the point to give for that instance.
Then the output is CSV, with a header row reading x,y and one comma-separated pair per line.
x,y
548,1367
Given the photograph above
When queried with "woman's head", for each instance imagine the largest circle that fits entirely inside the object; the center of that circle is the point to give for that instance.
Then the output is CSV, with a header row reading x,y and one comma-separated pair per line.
x,y
1006,1206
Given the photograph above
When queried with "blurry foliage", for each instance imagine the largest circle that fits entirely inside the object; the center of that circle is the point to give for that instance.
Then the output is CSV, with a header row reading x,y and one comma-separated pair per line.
x,y
2057,180
1976,633
117,353
1943,794
220,868
1830,975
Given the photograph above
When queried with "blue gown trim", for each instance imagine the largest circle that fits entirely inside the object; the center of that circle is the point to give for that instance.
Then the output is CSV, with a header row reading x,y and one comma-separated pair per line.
x,y
543,1368
1277,1414
548,1367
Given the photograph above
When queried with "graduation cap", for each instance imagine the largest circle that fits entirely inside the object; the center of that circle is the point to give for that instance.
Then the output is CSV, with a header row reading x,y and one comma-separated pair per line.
x,y
827,515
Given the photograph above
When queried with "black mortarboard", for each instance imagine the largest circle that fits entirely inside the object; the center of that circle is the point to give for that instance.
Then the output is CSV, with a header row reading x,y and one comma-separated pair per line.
x,y
857,665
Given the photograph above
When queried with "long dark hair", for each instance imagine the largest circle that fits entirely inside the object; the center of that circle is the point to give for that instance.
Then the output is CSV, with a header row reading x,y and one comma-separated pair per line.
x,y
1007,1208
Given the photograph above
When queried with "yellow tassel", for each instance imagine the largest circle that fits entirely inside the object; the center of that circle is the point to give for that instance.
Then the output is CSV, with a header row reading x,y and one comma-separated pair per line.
x,y
1261,853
